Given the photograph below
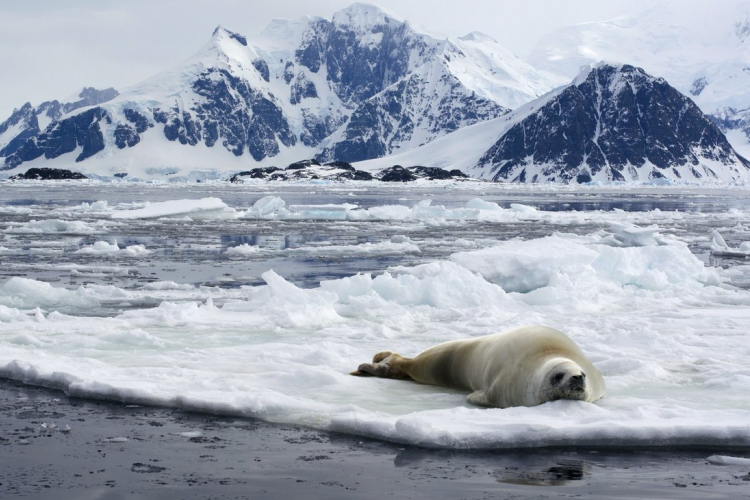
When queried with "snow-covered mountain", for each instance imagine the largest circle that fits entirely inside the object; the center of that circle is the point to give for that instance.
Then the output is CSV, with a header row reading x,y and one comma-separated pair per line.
x,y
361,85
28,121
701,48
613,122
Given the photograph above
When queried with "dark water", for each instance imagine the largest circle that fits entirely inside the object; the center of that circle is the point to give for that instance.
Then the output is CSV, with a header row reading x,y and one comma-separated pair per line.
x,y
56,447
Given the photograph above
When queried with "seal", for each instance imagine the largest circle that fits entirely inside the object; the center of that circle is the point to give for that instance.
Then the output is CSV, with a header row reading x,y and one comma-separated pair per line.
x,y
527,366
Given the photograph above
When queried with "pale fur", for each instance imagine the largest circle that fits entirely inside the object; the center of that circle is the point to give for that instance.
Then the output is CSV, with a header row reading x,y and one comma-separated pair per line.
x,y
513,368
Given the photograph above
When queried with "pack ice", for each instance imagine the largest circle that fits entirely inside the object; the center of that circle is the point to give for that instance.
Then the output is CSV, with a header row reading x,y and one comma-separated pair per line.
x,y
666,331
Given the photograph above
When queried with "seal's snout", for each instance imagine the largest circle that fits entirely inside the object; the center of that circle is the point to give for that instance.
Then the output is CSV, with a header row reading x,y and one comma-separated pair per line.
x,y
578,382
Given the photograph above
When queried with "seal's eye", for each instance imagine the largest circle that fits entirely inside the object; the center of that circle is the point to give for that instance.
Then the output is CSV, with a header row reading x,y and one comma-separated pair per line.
x,y
557,378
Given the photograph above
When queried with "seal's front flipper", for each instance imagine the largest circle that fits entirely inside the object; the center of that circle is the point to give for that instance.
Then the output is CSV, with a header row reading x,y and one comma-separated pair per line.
x,y
478,398
360,373
389,367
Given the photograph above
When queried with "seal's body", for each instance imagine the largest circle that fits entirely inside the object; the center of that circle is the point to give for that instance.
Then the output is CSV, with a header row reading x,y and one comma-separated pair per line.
x,y
527,366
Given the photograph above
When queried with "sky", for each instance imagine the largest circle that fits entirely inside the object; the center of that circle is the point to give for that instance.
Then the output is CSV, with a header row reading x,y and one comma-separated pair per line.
x,y
50,49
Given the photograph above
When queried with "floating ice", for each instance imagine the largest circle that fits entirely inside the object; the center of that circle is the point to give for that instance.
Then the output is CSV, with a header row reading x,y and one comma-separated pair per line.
x,y
57,226
203,208
167,285
367,248
266,206
719,247
243,249
671,343
97,206
28,293
726,460
628,235
115,440
104,248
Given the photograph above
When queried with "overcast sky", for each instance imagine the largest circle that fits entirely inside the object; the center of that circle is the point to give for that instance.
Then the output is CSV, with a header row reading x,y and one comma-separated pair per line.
x,y
50,49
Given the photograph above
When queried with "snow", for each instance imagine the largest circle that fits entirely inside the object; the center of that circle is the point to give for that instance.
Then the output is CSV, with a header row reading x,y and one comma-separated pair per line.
x,y
493,72
11,133
670,40
362,17
203,208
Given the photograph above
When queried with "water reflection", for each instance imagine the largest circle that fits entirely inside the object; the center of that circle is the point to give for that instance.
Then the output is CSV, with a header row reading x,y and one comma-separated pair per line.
x,y
560,474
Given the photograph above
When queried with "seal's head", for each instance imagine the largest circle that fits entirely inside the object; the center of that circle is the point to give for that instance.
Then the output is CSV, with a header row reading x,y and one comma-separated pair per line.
x,y
564,379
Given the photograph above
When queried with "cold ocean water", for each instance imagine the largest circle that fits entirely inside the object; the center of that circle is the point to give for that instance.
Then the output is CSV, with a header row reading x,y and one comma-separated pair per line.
x,y
258,300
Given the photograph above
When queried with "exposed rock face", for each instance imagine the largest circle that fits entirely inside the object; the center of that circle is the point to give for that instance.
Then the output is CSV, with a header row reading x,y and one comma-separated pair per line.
x,y
397,173
28,121
339,171
65,136
613,123
47,174
427,104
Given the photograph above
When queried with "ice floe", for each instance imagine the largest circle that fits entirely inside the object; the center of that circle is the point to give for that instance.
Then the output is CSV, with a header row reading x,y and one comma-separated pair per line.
x,y
669,337
720,248
56,226
203,208
727,460
104,248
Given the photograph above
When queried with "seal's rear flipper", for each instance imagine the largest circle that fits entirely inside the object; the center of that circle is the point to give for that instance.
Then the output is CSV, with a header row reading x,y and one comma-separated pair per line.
x,y
478,398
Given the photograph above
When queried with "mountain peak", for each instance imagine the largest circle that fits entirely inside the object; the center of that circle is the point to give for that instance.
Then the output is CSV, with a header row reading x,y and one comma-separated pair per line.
x,y
222,32
614,122
589,68
477,36
364,16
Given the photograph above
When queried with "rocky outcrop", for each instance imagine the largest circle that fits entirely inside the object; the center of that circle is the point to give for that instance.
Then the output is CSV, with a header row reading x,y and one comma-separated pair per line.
x,y
48,174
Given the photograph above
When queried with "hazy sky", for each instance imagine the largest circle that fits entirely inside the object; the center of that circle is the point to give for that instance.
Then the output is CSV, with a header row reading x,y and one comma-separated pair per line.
x,y
52,48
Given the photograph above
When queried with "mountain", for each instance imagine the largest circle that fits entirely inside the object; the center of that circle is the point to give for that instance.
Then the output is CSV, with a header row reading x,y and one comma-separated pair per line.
x,y
612,123
361,85
29,121
701,48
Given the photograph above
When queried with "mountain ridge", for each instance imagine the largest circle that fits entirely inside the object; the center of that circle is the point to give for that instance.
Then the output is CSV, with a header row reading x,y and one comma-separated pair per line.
x,y
315,78
613,122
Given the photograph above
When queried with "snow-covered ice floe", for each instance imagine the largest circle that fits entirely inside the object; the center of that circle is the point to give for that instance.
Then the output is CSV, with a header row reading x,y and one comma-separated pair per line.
x,y
203,208
720,248
56,226
669,336
726,460
108,249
